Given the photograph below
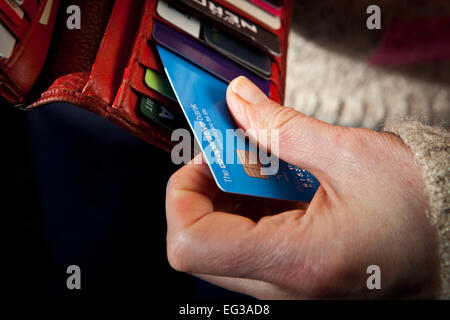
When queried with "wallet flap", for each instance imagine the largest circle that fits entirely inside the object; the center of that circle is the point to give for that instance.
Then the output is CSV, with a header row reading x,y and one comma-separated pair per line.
x,y
72,52
103,66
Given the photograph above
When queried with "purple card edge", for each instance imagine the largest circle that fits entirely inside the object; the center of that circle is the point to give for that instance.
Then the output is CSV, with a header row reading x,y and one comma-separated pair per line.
x,y
226,69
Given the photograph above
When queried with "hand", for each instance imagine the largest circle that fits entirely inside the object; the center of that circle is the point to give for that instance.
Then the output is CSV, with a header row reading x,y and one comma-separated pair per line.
x,y
369,210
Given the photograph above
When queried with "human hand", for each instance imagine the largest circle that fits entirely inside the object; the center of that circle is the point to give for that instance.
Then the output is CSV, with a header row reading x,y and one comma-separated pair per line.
x,y
369,210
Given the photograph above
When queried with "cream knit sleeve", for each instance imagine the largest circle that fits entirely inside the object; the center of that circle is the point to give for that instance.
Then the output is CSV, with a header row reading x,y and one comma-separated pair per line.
x,y
431,146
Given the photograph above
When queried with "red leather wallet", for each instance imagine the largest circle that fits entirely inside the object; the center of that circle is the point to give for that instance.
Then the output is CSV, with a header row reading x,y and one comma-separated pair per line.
x,y
101,66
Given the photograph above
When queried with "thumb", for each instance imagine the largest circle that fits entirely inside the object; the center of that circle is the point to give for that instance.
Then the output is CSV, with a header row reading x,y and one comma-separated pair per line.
x,y
302,141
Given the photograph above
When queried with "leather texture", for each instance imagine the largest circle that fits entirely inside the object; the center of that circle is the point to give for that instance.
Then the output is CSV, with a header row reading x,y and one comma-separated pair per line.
x,y
19,73
101,67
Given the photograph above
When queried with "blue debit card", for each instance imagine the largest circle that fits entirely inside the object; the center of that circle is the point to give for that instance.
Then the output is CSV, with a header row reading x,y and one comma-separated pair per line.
x,y
202,98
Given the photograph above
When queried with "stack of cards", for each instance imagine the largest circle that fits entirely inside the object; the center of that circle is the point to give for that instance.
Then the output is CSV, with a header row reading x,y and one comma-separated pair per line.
x,y
216,36
196,49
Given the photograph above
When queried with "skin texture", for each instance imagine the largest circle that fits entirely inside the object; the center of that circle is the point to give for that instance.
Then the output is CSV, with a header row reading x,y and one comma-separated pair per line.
x,y
369,210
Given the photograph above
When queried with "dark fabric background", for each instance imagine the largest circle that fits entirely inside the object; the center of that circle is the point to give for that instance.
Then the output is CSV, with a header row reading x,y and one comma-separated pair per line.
x,y
80,190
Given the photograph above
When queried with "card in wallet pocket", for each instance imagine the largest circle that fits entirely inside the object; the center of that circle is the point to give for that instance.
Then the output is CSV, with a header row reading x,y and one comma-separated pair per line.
x,y
111,67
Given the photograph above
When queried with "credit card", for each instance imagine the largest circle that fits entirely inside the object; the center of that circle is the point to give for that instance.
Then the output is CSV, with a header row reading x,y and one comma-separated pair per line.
x,y
182,20
159,83
233,22
157,113
256,12
272,8
203,56
45,17
255,60
7,42
12,10
202,98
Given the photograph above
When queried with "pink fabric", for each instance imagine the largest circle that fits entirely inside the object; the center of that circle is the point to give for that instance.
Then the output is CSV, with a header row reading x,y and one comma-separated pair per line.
x,y
413,41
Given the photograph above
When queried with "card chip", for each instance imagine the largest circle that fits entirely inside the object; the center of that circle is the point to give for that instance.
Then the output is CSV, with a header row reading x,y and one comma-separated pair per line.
x,y
251,169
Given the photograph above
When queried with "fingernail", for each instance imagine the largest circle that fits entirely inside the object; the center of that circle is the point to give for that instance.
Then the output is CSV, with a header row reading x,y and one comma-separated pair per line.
x,y
247,90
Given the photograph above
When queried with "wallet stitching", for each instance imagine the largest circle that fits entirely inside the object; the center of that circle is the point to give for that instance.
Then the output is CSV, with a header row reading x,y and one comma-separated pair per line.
x,y
62,94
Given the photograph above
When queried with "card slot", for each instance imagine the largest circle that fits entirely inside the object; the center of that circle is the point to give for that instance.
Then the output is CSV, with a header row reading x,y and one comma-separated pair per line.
x,y
12,10
125,106
137,82
273,89
138,113
281,33
150,59
72,52
240,56
110,62
125,113
229,5
140,53
270,8
275,94
158,82
239,23
281,60
156,112
7,42
173,106
140,85
203,56
255,61
275,74
267,19
179,19
30,7
18,30
203,22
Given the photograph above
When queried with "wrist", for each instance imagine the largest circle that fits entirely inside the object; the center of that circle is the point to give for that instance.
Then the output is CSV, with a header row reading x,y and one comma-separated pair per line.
x,y
430,147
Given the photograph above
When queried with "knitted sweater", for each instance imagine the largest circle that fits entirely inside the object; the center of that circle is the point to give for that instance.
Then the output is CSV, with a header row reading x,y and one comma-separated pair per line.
x,y
330,78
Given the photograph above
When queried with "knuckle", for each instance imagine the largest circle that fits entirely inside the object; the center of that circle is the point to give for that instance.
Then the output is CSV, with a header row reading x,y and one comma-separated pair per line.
x,y
178,248
282,117
287,121
266,220
348,139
